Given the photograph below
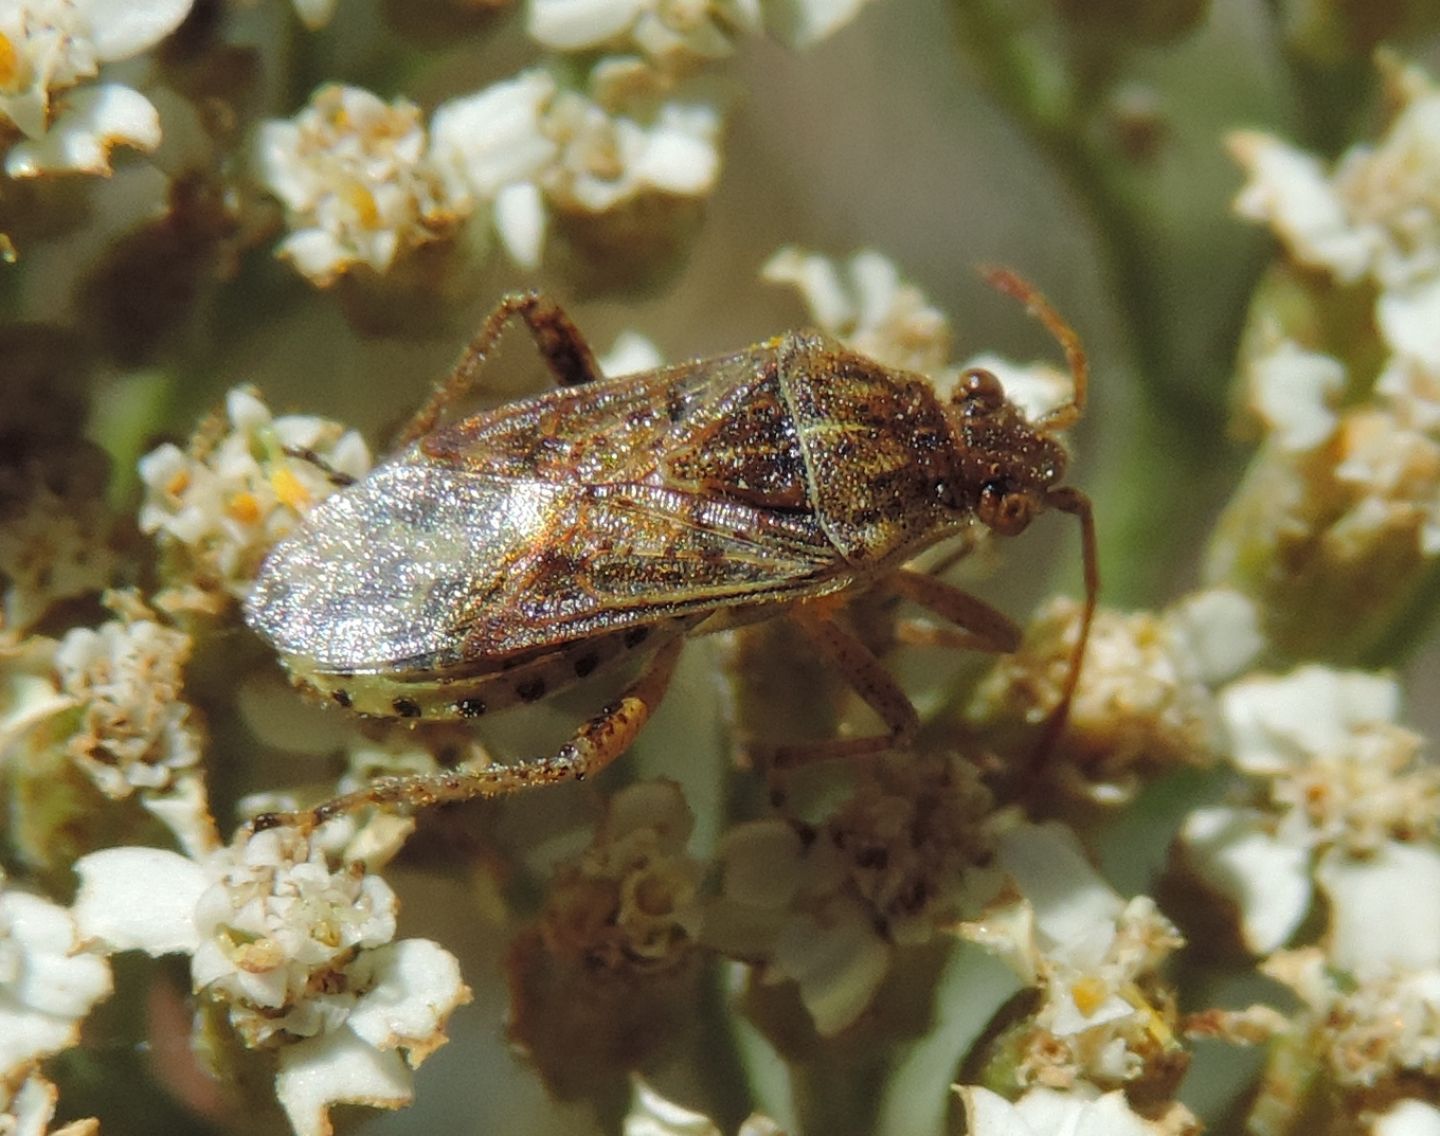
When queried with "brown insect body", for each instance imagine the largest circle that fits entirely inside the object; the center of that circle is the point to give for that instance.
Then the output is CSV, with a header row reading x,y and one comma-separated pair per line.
x,y
514,552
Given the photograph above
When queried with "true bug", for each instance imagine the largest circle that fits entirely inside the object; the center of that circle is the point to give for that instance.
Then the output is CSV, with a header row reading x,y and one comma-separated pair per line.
x,y
498,558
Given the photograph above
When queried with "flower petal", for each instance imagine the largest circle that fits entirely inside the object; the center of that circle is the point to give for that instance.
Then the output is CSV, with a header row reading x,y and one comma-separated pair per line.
x,y
337,1068
1268,880
1408,1118
92,122
415,985
139,899
1375,919
1049,867
119,31
838,961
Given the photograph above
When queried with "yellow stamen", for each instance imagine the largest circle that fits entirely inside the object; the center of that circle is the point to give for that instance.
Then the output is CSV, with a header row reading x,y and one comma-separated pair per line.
x,y
1089,995
243,507
9,65
288,488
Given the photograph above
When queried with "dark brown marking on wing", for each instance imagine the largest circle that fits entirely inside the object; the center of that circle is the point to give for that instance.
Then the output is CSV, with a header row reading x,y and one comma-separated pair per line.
x,y
608,430
751,452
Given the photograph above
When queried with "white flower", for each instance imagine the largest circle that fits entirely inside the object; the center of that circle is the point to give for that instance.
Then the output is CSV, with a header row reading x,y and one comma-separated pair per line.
x,y
824,907
1342,799
1045,1112
1392,474
1293,392
1144,700
868,306
653,1115
1339,519
127,676
301,957
612,153
47,47
674,33
52,546
1408,1118
492,147
1289,190
1328,743
1376,216
228,500
530,145
48,980
357,183
1369,1030
1375,923
27,1105
630,354
1093,955
630,900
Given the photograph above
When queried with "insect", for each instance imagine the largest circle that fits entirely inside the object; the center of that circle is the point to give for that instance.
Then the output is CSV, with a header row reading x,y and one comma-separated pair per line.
x,y
501,557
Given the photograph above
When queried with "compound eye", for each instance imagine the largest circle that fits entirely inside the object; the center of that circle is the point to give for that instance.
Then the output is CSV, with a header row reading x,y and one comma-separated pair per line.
x,y
1004,510
980,387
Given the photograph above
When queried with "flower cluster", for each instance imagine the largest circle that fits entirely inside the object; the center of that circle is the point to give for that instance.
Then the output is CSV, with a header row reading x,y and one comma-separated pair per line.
x,y
48,983
135,730
1383,1030
363,180
630,901
52,546
221,505
1146,699
1339,521
105,705
826,905
603,980
1104,1018
50,50
1341,795
27,1105
298,956
1375,216
351,172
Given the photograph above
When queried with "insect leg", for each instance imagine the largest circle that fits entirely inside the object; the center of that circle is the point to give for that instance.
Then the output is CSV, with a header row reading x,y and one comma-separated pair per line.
x,y
310,457
984,628
593,747
871,681
560,343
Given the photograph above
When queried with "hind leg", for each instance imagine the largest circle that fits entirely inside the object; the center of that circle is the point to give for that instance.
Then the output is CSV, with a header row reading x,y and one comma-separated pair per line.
x,y
593,746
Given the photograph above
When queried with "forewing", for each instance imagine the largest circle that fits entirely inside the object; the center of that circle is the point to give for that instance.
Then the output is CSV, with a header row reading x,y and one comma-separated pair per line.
x,y
627,555
427,567
376,575
611,430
